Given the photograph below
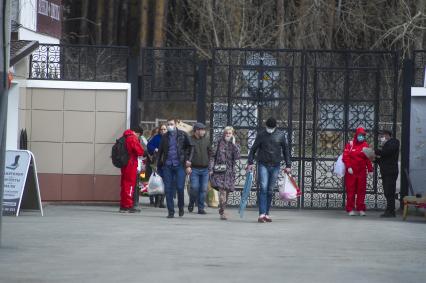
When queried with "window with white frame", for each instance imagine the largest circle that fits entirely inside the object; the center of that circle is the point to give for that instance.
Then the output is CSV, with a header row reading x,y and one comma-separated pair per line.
x,y
55,11
43,7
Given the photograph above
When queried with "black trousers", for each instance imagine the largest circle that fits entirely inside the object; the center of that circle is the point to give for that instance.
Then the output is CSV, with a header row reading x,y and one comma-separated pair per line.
x,y
389,188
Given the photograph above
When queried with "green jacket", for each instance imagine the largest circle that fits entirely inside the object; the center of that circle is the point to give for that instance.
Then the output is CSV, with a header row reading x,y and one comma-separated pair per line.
x,y
202,152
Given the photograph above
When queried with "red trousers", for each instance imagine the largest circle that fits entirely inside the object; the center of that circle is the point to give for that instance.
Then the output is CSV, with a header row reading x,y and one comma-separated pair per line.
x,y
128,184
356,186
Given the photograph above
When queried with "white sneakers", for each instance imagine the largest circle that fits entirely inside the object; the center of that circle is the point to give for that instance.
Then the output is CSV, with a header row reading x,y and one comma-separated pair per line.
x,y
353,213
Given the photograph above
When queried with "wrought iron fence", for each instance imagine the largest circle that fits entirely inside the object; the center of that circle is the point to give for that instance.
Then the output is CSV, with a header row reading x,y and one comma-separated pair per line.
x,y
318,98
168,74
419,58
79,63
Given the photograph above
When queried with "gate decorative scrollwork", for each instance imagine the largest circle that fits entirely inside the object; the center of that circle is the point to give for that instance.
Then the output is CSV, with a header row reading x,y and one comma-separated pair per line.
x,y
318,98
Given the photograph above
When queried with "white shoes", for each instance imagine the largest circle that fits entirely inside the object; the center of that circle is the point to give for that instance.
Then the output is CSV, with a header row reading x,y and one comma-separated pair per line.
x,y
353,213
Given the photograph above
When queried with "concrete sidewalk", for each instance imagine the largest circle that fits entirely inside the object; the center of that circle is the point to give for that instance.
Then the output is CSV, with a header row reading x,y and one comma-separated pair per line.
x,y
97,244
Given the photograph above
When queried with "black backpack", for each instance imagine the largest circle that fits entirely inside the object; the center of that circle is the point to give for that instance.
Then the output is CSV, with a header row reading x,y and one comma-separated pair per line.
x,y
119,154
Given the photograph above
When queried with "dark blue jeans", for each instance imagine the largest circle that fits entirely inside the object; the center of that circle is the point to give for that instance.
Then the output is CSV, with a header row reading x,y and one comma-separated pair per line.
x,y
268,176
199,183
177,174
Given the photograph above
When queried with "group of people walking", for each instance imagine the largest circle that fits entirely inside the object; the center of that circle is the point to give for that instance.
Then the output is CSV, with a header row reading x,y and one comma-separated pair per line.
x,y
176,155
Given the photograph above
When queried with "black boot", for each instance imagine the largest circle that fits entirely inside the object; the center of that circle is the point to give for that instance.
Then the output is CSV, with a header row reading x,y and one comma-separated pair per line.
x,y
151,200
161,201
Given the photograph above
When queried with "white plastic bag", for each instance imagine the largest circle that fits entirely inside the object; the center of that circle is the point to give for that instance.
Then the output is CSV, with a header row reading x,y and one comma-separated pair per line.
x,y
287,190
155,184
141,164
339,167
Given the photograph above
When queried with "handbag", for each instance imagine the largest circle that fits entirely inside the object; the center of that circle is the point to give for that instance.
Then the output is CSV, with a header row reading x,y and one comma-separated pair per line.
x,y
218,168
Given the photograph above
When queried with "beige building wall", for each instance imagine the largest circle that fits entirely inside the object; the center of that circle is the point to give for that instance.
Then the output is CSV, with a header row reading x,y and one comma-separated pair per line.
x,y
71,128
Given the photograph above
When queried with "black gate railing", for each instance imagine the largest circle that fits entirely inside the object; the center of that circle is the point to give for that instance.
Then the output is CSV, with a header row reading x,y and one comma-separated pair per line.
x,y
168,74
168,81
79,63
342,91
318,98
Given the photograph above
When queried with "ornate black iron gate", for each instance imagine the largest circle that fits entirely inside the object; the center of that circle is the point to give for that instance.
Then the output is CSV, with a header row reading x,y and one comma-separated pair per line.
x,y
318,98
248,86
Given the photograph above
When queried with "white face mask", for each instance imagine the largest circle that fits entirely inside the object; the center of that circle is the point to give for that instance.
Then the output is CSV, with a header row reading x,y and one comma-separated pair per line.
x,y
228,138
382,139
171,128
270,130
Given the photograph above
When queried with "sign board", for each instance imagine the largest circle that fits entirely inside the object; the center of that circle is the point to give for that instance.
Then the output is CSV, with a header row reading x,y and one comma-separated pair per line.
x,y
21,188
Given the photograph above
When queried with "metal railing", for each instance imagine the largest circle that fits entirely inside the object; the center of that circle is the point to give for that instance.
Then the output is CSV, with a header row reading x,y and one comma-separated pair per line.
x,y
79,63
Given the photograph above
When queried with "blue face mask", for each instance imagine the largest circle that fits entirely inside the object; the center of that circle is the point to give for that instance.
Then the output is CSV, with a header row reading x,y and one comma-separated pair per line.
x,y
360,138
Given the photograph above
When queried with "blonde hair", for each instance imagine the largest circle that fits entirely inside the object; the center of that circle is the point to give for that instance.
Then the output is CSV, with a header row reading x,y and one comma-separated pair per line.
x,y
230,128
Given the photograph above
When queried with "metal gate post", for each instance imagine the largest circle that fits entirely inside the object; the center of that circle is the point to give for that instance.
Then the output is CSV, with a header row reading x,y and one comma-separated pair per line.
x,y
4,62
408,78
202,91
132,78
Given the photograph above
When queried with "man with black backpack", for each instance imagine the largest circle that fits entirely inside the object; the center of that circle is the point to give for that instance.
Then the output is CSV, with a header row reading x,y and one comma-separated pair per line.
x,y
124,155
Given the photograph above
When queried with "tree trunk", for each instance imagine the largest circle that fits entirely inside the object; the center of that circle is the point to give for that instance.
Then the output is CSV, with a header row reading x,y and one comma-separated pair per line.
x,y
159,22
84,33
237,26
280,22
99,17
110,32
143,32
420,39
330,13
123,23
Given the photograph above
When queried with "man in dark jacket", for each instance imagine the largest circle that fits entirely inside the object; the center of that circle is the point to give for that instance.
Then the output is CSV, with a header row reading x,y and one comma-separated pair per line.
x,y
174,155
199,169
387,158
272,147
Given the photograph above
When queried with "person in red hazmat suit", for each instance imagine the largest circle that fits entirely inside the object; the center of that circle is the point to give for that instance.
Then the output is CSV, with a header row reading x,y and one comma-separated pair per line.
x,y
129,172
357,164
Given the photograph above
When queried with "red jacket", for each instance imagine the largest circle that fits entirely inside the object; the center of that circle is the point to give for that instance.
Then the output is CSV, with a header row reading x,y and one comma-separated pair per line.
x,y
353,157
134,147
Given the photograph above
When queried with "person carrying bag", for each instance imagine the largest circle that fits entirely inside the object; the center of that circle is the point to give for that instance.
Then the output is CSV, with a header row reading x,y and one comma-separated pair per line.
x,y
222,168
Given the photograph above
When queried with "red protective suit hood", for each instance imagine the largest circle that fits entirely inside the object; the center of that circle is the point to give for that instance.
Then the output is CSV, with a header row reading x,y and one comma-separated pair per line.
x,y
359,130
128,132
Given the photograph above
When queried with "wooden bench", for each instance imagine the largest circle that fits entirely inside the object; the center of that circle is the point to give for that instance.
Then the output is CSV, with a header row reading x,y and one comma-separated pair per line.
x,y
413,201
418,202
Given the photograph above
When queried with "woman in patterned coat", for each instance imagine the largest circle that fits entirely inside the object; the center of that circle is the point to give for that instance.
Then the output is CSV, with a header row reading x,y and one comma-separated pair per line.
x,y
225,156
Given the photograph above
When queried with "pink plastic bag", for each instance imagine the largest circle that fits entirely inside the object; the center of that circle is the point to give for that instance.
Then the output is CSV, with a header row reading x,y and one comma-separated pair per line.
x,y
288,189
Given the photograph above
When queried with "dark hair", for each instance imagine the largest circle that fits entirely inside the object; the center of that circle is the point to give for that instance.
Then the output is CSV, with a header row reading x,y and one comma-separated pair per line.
x,y
137,129
271,123
384,132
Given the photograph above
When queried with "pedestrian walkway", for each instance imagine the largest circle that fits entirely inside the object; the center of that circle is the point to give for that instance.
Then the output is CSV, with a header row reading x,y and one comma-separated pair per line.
x,y
98,244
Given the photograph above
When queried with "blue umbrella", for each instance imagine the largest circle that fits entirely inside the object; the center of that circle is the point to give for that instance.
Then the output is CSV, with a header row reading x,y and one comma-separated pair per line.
x,y
246,192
